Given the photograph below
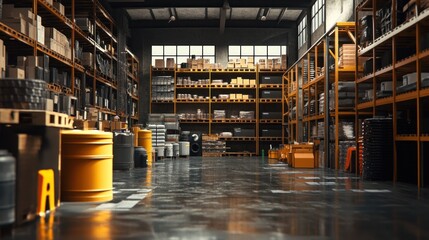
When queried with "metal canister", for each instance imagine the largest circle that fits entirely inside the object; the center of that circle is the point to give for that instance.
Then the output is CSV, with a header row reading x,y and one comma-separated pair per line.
x,y
7,188
123,150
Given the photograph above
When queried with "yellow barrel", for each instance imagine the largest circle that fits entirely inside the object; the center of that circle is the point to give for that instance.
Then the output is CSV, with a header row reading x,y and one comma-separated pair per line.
x,y
145,140
135,130
86,166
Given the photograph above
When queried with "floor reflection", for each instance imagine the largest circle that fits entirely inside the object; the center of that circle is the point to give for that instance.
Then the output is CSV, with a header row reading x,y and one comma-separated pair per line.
x,y
239,198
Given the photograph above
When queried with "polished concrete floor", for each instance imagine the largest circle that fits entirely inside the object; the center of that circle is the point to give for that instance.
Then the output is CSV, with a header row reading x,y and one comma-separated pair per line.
x,y
239,198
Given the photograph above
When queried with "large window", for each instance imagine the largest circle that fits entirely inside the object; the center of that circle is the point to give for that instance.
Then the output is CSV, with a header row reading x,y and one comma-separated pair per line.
x,y
257,52
180,53
317,14
302,36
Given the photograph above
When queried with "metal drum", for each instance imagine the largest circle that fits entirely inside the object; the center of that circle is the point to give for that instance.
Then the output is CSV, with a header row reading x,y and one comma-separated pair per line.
x,y
145,140
140,157
160,152
7,188
86,166
184,149
123,151
176,150
169,150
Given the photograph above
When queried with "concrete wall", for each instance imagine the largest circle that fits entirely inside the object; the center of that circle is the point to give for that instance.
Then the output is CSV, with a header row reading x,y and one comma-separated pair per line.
x,y
143,39
339,11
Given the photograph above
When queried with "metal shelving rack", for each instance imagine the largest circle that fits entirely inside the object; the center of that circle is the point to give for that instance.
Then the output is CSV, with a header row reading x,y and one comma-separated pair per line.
x,y
313,74
408,109
90,76
210,125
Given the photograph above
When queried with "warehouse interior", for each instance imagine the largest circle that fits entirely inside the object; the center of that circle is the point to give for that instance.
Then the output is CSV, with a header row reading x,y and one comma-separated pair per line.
x,y
223,119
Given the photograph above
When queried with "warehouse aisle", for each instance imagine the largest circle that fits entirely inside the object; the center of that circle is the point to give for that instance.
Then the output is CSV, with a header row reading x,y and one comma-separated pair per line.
x,y
240,198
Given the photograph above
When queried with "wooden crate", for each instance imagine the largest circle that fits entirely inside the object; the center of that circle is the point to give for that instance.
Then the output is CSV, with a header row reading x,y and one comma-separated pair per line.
x,y
36,118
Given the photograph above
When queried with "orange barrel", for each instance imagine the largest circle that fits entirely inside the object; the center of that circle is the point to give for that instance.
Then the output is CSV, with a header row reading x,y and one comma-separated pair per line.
x,y
145,140
273,154
86,166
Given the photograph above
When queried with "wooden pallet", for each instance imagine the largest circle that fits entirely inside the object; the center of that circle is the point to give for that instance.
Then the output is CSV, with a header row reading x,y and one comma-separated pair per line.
x,y
163,69
237,138
270,100
238,154
234,100
270,121
237,70
270,86
54,88
268,139
35,117
212,154
234,120
67,90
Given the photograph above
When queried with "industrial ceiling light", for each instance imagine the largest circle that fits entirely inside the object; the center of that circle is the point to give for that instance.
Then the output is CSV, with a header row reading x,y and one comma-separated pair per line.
x,y
263,18
172,19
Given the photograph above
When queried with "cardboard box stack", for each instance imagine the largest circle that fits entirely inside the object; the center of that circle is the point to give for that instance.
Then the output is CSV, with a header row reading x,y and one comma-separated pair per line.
x,y
262,63
20,19
284,61
241,63
32,66
347,56
58,42
59,7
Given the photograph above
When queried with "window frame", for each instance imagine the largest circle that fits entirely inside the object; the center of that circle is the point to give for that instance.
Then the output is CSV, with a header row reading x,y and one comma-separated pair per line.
x,y
178,55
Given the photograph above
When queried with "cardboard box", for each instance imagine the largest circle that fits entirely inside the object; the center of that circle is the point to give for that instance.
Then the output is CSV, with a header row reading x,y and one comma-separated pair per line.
x,y
59,7
41,34
30,73
87,59
232,96
31,31
159,63
170,63
252,82
239,96
245,96
302,156
303,160
240,81
85,124
15,72
234,81
19,24
115,125
12,12
246,82
20,61
49,105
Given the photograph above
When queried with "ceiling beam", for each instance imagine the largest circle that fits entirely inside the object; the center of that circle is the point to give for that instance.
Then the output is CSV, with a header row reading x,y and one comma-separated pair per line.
x,y
282,13
212,24
301,4
222,19
152,14
259,15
